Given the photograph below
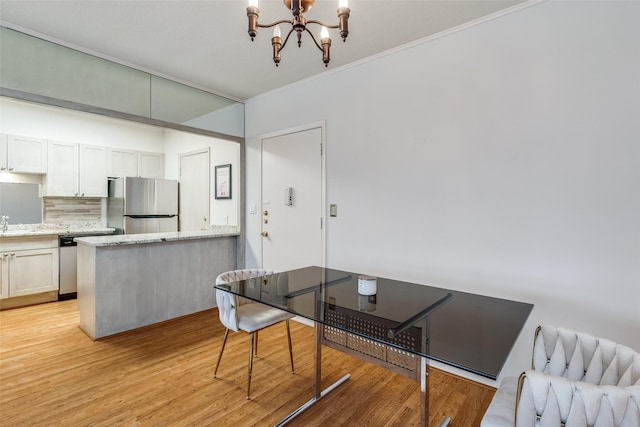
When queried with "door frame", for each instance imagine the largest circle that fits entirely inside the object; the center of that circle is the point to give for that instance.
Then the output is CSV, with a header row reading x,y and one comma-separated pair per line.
x,y
322,125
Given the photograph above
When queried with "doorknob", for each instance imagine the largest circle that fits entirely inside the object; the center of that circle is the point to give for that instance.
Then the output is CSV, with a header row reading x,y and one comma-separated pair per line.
x,y
265,234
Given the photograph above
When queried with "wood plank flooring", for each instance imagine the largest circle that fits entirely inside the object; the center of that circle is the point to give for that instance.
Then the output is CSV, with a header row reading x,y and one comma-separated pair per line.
x,y
52,374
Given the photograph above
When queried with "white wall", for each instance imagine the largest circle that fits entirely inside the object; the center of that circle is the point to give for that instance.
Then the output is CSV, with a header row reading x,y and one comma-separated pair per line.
x,y
41,121
223,212
503,159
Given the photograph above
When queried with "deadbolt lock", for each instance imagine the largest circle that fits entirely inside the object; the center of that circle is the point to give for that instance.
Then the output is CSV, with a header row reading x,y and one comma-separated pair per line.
x,y
265,234
265,213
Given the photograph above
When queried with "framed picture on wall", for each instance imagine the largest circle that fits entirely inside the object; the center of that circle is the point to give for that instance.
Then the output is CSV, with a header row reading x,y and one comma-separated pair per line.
x,y
223,182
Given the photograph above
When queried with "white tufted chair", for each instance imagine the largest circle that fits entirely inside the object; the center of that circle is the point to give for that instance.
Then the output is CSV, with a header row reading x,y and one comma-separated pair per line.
x,y
241,314
576,380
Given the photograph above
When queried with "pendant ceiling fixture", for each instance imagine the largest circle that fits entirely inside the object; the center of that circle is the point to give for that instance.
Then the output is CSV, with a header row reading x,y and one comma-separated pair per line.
x,y
299,25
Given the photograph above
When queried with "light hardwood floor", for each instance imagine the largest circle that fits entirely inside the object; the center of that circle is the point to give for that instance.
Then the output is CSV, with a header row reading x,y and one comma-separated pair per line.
x,y
52,374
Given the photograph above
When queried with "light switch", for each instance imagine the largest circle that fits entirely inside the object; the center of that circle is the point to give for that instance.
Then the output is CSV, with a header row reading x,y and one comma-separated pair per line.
x,y
253,209
333,210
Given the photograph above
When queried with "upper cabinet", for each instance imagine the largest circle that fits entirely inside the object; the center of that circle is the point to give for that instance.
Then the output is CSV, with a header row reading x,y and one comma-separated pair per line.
x,y
124,162
93,171
23,154
62,177
151,165
76,170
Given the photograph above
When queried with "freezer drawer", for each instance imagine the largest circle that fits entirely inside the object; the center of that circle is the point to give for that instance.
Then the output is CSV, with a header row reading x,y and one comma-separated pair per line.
x,y
150,225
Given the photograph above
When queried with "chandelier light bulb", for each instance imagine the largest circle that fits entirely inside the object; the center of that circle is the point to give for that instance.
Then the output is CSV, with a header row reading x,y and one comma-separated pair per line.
x,y
254,3
276,31
341,3
324,33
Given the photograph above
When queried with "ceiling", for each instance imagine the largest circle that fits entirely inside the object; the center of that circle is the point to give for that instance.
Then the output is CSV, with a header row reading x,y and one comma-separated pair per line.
x,y
205,42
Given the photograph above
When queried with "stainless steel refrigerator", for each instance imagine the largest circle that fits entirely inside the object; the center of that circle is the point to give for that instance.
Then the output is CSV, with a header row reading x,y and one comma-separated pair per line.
x,y
142,205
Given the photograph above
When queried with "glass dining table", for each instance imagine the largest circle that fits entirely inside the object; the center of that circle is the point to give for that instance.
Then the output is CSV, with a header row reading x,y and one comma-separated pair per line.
x,y
398,325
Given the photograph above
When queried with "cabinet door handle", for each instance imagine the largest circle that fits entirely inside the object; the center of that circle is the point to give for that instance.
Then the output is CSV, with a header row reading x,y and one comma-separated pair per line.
x,y
5,255
13,254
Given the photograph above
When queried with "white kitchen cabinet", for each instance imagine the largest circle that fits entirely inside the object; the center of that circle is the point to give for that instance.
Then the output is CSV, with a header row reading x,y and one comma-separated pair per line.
x,y
76,170
4,276
143,164
62,177
93,171
28,265
3,152
151,165
122,162
23,154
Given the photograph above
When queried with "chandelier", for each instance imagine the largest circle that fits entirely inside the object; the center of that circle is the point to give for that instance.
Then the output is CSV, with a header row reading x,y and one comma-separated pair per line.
x,y
299,25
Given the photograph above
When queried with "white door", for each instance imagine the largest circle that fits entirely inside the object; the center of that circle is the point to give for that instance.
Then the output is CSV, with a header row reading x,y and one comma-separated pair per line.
x,y
292,230
194,191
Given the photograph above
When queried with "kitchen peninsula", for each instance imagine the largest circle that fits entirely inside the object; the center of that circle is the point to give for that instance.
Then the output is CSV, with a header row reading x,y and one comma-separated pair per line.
x,y
134,280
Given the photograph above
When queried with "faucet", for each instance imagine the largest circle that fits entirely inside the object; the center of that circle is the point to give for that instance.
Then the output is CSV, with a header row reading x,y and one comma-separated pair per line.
x,y
4,222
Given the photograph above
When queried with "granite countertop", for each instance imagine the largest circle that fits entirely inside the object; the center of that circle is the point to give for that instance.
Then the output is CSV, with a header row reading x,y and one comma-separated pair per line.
x,y
23,230
137,239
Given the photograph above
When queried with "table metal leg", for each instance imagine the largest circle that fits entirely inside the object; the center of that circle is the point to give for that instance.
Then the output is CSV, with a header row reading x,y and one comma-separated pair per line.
x,y
318,393
424,381
424,392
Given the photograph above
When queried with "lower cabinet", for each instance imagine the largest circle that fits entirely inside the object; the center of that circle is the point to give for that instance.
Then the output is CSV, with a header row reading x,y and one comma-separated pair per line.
x,y
28,265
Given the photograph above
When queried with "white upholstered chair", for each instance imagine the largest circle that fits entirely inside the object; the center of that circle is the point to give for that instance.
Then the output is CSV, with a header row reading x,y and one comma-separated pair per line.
x,y
576,380
241,314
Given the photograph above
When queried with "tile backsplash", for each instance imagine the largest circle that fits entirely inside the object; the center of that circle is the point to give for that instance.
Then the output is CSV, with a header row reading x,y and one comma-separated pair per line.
x,y
60,210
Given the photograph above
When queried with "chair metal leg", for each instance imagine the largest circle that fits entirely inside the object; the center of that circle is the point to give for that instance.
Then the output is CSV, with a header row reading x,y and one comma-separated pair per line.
x,y
224,341
290,347
251,344
255,344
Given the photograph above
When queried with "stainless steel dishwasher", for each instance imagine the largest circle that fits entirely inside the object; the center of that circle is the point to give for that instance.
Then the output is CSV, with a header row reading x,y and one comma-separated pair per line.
x,y
68,263
68,268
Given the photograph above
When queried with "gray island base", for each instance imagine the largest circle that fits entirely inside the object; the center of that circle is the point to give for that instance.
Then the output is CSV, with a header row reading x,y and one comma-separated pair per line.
x,y
129,281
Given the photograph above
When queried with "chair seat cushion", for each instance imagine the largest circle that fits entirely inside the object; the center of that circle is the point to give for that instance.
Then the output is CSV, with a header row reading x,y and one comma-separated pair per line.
x,y
502,410
253,317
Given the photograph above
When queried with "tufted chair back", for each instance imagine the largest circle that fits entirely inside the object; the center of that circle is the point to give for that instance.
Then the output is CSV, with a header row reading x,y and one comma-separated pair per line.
x,y
556,401
579,380
227,302
581,357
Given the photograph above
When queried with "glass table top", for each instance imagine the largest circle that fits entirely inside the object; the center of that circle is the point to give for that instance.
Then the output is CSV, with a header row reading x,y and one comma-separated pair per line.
x,y
469,331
